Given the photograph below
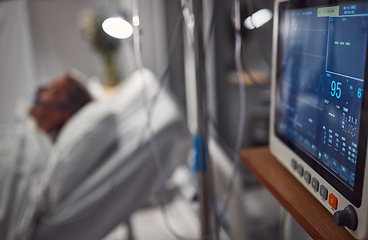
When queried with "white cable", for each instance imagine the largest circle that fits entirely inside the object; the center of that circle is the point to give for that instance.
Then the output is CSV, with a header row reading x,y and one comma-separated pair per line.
x,y
242,110
152,138
155,150
189,22
136,37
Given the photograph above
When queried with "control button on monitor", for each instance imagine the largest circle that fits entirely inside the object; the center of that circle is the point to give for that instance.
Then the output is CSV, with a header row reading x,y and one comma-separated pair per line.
x,y
344,173
293,164
323,192
332,200
307,176
351,178
300,170
319,156
334,165
314,150
315,183
326,159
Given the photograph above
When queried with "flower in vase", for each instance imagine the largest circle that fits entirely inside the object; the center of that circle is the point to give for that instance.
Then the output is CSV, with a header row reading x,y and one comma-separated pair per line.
x,y
106,46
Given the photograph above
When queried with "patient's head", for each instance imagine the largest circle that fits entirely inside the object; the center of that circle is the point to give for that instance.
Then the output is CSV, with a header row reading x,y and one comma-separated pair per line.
x,y
56,102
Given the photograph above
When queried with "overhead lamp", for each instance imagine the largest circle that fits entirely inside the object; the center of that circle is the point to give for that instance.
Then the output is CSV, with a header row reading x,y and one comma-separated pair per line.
x,y
117,27
258,19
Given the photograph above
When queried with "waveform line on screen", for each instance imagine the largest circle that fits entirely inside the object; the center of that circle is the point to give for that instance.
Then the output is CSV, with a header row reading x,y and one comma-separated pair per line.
x,y
309,54
317,84
305,101
312,30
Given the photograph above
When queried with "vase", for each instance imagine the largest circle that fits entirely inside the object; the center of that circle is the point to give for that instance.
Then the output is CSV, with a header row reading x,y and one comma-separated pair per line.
x,y
111,74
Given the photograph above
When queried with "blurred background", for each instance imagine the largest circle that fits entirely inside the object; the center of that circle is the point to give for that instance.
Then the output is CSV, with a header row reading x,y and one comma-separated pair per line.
x,y
41,39
44,38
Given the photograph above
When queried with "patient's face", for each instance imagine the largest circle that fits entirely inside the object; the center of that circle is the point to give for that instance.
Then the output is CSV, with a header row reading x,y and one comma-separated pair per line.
x,y
55,103
49,110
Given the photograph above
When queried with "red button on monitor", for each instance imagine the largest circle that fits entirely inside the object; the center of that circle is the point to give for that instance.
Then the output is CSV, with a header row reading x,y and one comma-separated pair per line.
x,y
332,200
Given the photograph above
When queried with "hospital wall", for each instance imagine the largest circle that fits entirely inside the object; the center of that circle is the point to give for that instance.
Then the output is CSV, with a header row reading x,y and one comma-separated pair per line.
x,y
16,57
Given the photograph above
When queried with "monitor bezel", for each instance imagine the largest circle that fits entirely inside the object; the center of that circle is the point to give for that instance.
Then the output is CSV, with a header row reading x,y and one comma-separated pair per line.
x,y
353,195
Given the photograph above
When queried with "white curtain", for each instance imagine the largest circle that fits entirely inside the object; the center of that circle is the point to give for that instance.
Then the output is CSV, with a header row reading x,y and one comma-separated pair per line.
x,y
16,57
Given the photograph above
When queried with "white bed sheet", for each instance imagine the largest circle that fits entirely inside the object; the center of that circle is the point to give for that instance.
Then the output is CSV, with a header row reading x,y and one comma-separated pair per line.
x,y
128,174
122,179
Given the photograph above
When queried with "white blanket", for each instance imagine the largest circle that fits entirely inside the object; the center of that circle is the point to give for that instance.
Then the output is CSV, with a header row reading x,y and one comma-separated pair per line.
x,y
100,170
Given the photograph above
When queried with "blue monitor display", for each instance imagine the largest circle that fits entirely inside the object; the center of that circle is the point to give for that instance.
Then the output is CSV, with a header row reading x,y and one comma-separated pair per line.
x,y
321,69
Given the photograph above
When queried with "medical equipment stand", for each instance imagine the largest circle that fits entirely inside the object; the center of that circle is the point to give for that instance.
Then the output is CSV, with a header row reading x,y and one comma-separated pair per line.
x,y
203,167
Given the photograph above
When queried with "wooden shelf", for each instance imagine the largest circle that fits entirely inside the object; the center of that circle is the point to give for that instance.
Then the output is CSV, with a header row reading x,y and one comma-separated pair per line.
x,y
249,79
300,203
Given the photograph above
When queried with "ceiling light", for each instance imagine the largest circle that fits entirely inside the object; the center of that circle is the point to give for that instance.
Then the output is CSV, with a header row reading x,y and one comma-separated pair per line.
x,y
258,19
117,27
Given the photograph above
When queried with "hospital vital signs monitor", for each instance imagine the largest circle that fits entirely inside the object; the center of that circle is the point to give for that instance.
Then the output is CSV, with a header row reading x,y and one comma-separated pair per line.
x,y
319,113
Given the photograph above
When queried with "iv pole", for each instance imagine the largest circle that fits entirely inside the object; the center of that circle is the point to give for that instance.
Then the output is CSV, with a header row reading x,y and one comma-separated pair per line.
x,y
202,163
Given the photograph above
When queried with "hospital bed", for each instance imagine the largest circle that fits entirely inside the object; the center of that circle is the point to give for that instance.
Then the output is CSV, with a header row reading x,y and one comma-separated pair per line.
x,y
106,163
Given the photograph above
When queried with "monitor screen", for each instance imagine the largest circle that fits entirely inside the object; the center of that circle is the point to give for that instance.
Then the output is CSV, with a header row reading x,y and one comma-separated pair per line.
x,y
321,67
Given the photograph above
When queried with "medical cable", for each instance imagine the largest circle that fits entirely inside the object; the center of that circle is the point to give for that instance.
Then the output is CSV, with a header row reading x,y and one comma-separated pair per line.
x,y
163,78
148,106
153,143
189,27
241,113
164,75
242,110
172,47
242,100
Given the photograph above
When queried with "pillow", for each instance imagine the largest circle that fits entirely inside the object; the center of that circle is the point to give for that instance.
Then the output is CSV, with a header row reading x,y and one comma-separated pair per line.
x,y
80,147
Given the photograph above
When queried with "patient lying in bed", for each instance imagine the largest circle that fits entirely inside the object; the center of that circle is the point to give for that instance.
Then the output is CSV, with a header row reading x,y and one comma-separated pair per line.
x,y
98,170
55,103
